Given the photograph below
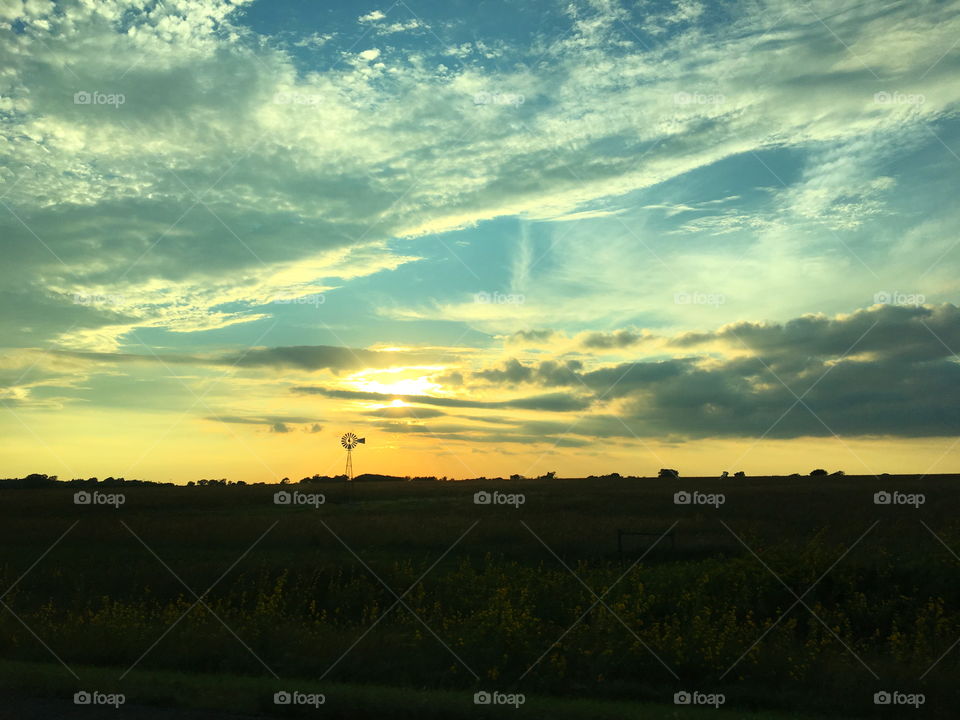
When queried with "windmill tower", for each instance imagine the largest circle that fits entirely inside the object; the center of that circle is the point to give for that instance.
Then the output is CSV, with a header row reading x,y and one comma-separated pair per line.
x,y
349,442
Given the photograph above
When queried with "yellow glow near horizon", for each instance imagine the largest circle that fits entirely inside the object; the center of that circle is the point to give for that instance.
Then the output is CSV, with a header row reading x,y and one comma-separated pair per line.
x,y
396,381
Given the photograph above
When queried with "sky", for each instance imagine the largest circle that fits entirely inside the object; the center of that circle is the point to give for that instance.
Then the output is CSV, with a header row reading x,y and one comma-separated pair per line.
x,y
491,237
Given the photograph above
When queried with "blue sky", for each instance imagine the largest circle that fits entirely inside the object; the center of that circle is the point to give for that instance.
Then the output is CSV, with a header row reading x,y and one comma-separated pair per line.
x,y
220,219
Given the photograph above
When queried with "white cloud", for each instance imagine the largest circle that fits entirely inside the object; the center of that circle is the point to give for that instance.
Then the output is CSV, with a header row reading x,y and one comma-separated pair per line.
x,y
372,16
291,164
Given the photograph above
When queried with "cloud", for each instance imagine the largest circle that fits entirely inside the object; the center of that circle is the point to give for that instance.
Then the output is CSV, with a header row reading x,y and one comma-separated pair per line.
x,y
615,340
530,337
224,160
300,357
276,424
405,412
553,402
885,370
890,332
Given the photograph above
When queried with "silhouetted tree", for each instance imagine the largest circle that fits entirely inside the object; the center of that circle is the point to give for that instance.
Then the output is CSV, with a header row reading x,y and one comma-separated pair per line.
x,y
739,474
668,473
817,472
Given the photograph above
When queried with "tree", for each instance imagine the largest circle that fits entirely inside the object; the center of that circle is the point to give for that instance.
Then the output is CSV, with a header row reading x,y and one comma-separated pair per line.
x,y
516,477
817,472
739,474
550,475
668,473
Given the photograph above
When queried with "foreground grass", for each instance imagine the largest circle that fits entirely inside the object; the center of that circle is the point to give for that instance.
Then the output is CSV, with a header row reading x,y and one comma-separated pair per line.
x,y
317,580
254,695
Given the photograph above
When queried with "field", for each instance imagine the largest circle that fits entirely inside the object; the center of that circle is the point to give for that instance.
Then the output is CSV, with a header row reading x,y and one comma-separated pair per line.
x,y
796,597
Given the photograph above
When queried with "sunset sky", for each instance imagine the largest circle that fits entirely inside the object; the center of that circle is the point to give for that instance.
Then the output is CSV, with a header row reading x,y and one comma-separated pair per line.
x,y
491,236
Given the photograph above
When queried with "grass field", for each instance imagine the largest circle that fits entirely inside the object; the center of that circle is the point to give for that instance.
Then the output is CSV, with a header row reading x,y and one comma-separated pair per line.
x,y
493,597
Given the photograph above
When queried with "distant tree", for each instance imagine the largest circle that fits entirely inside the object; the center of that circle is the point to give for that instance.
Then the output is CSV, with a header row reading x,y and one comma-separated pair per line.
x,y
838,473
191,484
724,475
549,475
668,473
286,481
817,472
39,480
516,477
739,474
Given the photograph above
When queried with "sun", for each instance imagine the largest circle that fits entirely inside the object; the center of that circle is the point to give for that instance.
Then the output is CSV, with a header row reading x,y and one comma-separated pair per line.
x,y
395,381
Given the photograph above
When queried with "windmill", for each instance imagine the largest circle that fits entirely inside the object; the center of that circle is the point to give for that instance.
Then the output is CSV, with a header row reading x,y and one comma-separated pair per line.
x,y
349,442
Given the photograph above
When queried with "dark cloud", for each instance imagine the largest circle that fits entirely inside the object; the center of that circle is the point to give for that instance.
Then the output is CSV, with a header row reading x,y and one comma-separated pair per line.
x,y
405,412
555,402
452,378
549,373
530,336
300,357
881,371
615,340
915,333
513,372
276,424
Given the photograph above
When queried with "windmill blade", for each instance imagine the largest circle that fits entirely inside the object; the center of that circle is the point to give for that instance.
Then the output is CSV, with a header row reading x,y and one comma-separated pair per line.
x,y
362,440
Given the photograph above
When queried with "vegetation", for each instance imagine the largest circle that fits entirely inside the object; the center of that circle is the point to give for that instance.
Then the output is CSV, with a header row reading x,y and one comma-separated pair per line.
x,y
502,597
